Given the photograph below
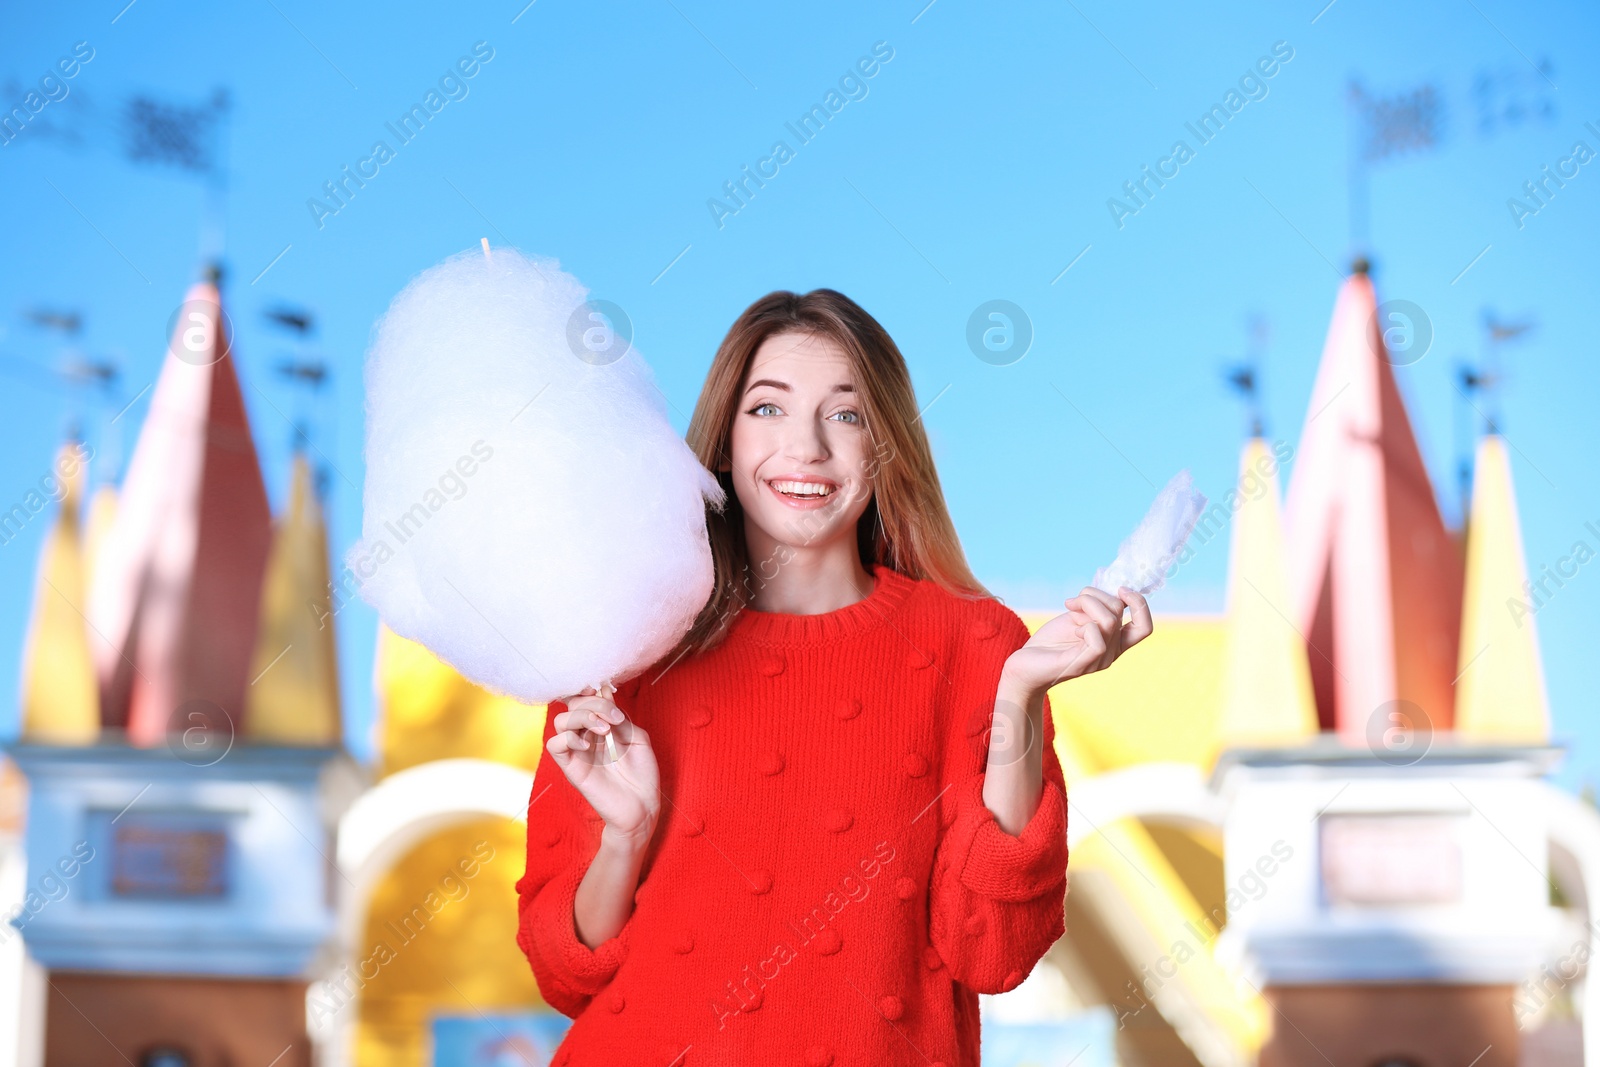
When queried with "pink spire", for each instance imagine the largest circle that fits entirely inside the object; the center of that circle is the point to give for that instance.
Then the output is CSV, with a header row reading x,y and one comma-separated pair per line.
x,y
173,608
1374,575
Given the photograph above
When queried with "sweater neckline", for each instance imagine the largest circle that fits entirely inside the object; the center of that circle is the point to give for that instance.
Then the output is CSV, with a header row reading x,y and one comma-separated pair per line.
x,y
890,589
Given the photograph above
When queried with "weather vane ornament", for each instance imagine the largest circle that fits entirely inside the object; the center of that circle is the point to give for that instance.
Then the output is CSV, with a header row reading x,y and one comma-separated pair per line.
x,y
529,515
1144,557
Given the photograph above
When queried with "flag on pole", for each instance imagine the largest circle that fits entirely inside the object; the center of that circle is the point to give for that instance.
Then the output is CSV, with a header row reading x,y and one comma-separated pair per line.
x,y
189,138
1389,126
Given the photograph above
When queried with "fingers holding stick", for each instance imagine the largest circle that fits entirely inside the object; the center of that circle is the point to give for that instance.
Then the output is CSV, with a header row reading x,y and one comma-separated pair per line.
x,y
588,724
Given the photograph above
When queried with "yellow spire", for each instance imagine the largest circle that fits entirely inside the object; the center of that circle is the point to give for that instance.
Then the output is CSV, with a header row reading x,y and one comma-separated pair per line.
x,y
60,693
1500,692
1266,681
102,512
293,698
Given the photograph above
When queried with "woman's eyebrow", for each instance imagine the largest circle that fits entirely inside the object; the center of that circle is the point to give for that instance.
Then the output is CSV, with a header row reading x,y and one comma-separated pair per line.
x,y
842,387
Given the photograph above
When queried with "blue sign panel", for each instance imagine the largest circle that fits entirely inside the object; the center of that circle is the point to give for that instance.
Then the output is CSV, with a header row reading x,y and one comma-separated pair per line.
x,y
1084,1040
530,1039
526,1039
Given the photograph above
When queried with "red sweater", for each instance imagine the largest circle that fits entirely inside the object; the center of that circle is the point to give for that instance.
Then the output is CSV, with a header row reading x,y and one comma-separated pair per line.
x,y
825,885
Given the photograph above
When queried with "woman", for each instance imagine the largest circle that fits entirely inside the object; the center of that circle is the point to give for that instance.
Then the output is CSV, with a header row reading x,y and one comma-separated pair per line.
x,y
837,815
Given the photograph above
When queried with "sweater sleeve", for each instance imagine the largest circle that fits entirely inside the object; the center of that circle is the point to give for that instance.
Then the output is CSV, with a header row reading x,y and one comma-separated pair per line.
x,y
997,902
563,836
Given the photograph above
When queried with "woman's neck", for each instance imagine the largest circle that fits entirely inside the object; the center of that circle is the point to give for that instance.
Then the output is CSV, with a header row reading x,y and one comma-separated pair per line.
x,y
809,580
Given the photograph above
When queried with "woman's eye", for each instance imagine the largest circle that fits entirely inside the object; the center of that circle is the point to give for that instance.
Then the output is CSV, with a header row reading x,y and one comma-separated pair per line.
x,y
847,416
765,410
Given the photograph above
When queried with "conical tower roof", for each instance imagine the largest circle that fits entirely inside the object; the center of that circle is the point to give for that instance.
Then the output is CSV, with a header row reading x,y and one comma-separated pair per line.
x,y
177,586
102,512
60,697
1500,696
1375,577
293,698
1266,684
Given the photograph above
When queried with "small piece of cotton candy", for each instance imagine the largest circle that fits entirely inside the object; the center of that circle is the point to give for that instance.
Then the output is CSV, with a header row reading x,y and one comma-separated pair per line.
x,y
530,515
1144,557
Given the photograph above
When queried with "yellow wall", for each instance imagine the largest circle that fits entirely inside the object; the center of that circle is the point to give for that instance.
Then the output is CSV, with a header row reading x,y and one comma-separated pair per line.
x,y
1160,701
456,955
430,712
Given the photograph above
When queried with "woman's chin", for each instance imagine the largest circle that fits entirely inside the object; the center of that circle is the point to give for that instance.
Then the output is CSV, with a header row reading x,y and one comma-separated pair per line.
x,y
806,531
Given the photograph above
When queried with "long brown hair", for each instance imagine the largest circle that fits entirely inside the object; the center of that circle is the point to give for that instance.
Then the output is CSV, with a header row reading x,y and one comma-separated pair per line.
x,y
906,526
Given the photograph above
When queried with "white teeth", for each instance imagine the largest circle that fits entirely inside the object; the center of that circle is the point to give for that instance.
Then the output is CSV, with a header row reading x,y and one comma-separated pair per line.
x,y
803,488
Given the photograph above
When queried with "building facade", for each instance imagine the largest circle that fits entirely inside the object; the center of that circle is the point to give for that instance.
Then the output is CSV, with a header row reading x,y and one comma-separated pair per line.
x,y
1314,828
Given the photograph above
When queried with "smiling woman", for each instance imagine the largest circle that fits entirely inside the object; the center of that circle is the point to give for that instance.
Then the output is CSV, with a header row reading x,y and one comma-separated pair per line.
x,y
827,365
848,687
801,460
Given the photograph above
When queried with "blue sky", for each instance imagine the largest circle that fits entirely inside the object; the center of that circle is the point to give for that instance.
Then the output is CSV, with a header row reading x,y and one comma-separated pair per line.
x,y
974,165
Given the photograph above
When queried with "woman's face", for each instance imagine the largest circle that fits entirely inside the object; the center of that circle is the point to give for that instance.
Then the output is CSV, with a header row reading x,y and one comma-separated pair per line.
x,y
799,444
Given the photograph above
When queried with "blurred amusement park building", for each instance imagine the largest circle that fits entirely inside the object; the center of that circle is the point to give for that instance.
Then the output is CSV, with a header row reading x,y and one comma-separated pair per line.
x,y
1313,829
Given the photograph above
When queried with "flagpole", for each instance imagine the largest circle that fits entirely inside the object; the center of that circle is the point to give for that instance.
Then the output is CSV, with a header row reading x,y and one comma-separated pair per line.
x,y
214,214
1356,172
1464,432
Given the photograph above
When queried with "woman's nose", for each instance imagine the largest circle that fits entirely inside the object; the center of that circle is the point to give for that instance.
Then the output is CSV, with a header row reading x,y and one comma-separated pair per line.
x,y
806,442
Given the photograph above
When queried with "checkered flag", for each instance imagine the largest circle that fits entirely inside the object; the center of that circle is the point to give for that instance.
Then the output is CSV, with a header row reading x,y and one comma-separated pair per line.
x,y
185,137
1390,126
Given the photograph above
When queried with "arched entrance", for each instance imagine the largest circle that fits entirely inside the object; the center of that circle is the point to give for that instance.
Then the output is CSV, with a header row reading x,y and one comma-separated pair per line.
x,y
428,859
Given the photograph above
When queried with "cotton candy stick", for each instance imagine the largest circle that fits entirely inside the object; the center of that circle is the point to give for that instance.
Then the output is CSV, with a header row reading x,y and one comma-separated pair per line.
x,y
1144,557
607,690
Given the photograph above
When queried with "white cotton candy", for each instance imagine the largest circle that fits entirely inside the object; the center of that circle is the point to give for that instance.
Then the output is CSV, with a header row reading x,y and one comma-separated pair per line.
x,y
530,516
1144,557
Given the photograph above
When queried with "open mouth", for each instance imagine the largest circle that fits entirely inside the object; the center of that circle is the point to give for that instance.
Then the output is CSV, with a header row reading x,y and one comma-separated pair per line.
x,y
805,491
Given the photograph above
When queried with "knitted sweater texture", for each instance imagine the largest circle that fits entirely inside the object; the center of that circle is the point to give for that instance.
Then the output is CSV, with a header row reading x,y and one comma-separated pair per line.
x,y
825,887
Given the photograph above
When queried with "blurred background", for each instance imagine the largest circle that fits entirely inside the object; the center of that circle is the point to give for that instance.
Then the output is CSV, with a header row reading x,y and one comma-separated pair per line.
x,y
1335,259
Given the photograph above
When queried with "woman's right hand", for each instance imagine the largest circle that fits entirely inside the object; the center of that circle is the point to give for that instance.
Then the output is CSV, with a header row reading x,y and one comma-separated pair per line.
x,y
625,794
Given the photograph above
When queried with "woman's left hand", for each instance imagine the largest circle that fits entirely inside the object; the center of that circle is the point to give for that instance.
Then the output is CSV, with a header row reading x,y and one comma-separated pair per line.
x,y
1087,637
